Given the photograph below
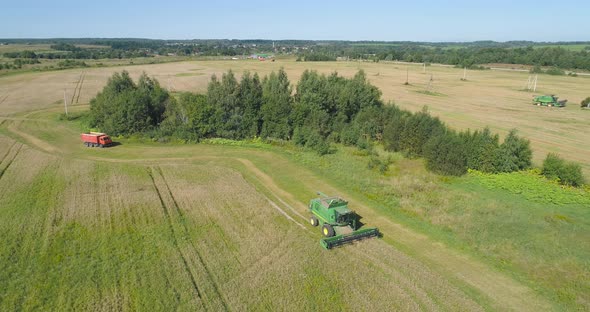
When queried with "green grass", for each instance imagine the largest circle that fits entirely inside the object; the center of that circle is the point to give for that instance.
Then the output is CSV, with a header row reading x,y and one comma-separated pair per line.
x,y
96,235
188,74
500,219
520,223
431,93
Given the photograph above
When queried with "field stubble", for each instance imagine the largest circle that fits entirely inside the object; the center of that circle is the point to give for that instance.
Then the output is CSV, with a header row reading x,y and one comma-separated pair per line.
x,y
109,235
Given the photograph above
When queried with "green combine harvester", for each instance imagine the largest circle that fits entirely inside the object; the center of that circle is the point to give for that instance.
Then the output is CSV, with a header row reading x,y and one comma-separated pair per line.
x,y
339,224
548,100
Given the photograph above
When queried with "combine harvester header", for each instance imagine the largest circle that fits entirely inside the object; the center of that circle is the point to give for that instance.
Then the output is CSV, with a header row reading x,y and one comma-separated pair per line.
x,y
339,224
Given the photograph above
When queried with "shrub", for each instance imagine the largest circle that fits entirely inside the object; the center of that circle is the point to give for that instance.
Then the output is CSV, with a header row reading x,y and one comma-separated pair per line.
x,y
445,153
567,173
572,175
376,163
555,71
514,154
317,143
350,135
536,70
585,102
482,148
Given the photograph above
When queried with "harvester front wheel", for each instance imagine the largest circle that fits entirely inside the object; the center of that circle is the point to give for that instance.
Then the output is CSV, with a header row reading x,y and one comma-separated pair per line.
x,y
328,230
314,221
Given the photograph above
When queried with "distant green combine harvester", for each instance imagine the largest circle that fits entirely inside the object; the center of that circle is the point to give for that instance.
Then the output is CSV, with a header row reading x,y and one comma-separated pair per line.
x,y
548,100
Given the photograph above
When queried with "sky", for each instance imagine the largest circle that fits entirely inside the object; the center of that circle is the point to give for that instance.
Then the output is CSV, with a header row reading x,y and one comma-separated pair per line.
x,y
409,20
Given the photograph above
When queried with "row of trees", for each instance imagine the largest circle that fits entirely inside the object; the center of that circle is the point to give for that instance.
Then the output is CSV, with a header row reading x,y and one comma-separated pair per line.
x,y
467,56
323,109
18,63
78,54
122,49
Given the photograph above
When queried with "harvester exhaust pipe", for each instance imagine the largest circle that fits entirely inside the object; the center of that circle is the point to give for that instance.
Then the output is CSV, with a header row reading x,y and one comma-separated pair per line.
x,y
322,194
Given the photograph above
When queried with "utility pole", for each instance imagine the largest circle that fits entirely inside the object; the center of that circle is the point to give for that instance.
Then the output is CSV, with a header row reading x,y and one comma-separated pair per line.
x,y
528,84
424,68
535,87
465,73
65,102
407,75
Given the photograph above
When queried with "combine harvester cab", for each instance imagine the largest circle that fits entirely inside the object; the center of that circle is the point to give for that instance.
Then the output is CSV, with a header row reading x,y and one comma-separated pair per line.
x,y
339,224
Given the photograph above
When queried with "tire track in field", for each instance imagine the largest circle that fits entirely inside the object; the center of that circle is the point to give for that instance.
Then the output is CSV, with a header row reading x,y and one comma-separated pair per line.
x,y
11,160
76,87
266,180
7,151
34,141
281,211
4,99
174,239
503,292
80,87
186,231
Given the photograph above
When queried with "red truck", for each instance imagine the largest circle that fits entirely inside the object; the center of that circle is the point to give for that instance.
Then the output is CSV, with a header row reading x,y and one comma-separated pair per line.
x,y
96,139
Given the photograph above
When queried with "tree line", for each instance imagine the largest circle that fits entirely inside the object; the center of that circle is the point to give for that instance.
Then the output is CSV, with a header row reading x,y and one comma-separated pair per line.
x,y
320,111
463,54
553,56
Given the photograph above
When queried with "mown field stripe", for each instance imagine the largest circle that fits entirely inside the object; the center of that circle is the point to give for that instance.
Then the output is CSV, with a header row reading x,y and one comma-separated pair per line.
x,y
174,239
186,231
11,160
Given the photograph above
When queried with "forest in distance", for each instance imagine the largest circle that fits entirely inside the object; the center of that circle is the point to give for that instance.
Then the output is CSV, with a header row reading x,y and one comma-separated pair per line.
x,y
561,55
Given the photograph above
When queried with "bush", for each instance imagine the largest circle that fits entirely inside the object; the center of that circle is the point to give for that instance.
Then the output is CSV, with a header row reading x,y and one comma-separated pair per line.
x,y
552,165
71,64
318,57
446,154
555,71
317,143
567,173
482,148
585,102
381,165
514,154
536,70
